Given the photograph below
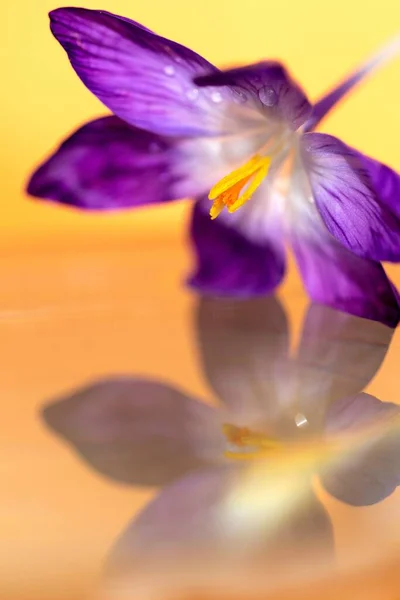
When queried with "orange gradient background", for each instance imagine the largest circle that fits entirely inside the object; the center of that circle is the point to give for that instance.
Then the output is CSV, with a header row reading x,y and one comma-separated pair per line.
x,y
83,296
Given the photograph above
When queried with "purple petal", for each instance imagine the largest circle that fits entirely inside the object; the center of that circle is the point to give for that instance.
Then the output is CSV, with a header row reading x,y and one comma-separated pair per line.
x,y
136,431
339,353
347,201
384,181
230,263
244,351
338,278
108,165
143,78
267,86
370,471
327,102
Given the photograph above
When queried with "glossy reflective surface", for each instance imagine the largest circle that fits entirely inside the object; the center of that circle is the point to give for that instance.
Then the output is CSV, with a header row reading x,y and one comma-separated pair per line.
x,y
147,430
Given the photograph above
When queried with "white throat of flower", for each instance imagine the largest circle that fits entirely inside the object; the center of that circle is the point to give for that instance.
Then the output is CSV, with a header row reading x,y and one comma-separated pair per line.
x,y
236,188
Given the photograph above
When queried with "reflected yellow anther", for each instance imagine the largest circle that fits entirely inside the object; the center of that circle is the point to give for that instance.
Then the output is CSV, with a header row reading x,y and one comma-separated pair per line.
x,y
255,445
228,191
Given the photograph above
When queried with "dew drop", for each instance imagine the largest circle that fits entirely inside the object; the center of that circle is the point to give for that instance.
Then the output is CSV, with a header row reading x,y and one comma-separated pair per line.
x,y
239,96
154,147
169,70
301,420
192,94
216,97
268,96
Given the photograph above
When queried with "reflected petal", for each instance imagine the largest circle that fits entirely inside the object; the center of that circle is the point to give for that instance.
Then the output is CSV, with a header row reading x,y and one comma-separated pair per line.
x,y
243,347
369,472
136,431
187,521
338,355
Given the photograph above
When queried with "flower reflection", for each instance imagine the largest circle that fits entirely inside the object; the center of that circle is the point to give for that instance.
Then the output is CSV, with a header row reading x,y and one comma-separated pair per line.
x,y
286,415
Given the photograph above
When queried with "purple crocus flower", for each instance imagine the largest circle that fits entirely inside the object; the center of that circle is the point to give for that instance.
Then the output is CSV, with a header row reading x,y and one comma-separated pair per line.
x,y
242,137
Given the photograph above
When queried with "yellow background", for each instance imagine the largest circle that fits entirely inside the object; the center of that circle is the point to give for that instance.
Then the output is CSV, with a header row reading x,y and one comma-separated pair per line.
x,y
42,99
82,296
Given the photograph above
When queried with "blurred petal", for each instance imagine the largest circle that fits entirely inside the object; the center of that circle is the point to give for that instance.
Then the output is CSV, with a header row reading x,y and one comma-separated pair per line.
x,y
338,355
347,201
323,106
369,472
266,86
180,519
108,165
244,350
230,263
143,78
136,431
189,520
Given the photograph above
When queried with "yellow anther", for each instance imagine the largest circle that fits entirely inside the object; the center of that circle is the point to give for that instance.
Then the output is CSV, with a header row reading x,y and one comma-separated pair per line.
x,y
228,191
254,445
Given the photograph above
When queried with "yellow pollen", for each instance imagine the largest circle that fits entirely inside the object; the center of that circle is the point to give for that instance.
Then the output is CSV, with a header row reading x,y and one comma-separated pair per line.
x,y
255,445
228,191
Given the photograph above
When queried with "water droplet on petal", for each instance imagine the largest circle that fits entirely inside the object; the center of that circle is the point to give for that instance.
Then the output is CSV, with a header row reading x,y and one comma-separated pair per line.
x,y
268,96
169,70
154,147
301,420
192,94
239,95
216,97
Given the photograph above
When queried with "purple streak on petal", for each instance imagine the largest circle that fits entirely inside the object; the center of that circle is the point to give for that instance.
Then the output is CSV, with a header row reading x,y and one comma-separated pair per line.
x,y
336,277
385,182
136,431
347,201
108,165
143,78
230,264
268,86
327,102
370,471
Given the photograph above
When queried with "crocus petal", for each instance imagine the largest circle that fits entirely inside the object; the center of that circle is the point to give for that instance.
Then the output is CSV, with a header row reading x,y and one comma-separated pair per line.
x,y
337,357
384,181
108,165
143,78
266,86
136,431
334,276
191,519
347,201
244,352
180,519
323,106
369,472
230,263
